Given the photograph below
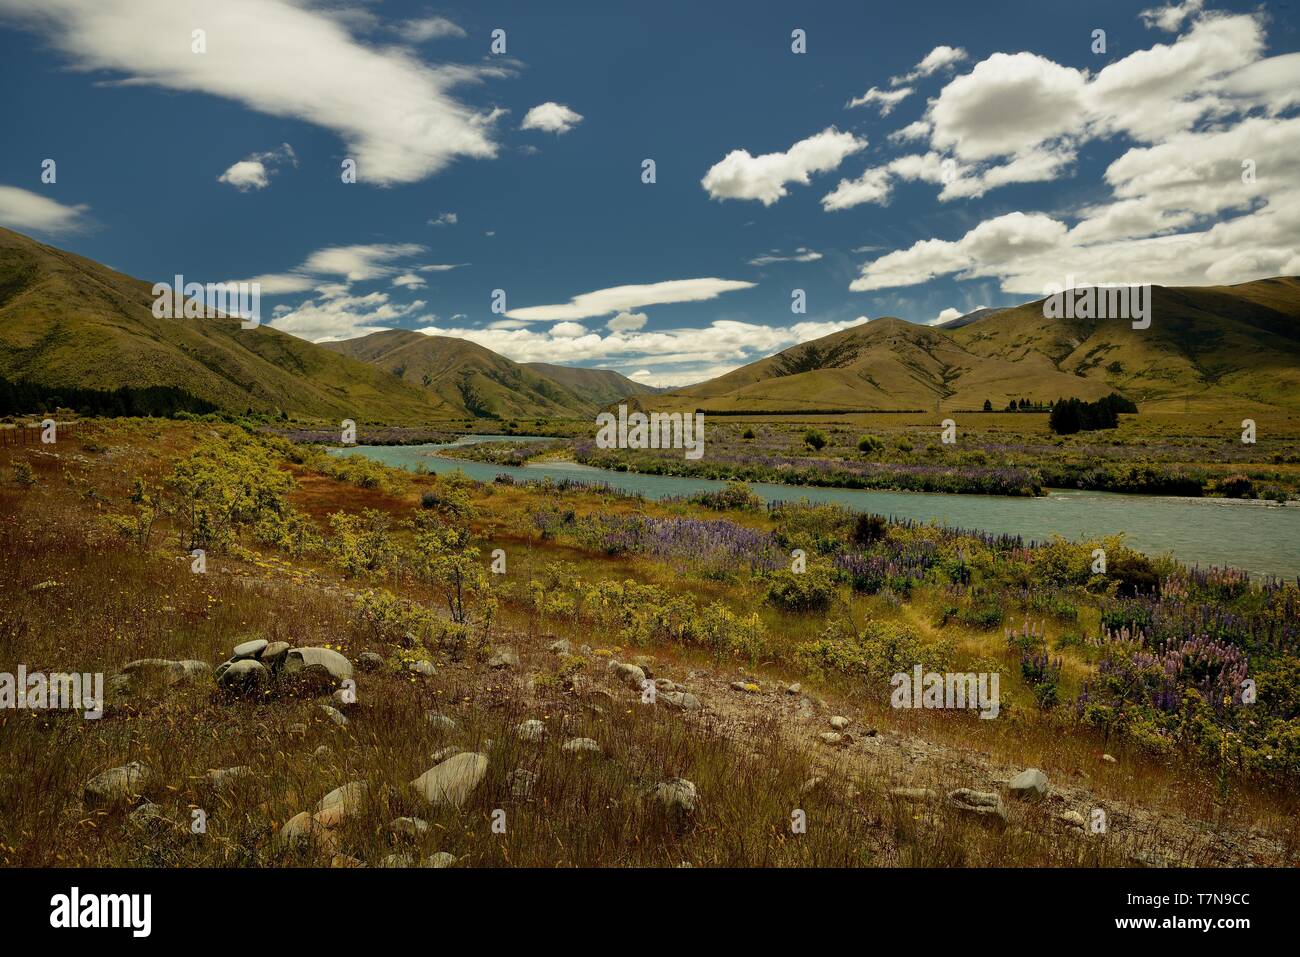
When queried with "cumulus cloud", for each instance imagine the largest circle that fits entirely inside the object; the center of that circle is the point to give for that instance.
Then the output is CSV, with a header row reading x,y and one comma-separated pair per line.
x,y
330,317
255,171
1171,17
663,357
627,322
444,219
429,28
355,263
602,302
739,175
940,58
551,117
394,112
887,99
409,280
24,210
801,255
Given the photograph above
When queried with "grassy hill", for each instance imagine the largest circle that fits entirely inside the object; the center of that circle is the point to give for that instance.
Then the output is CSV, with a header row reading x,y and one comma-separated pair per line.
x,y
1206,349
66,321
599,386
464,375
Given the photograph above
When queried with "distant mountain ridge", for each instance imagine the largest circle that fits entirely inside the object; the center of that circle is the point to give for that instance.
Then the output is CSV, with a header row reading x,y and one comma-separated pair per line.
x,y
69,322
1207,347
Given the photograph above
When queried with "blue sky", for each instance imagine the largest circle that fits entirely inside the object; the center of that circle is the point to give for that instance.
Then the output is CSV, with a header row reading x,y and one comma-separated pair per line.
x,y
1019,157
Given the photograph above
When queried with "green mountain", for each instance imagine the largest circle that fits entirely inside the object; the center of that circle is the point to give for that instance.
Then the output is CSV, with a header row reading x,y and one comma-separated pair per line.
x,y
1232,347
464,375
599,386
69,322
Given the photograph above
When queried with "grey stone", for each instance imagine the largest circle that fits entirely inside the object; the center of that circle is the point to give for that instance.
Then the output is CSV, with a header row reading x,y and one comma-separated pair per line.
x,y
423,667
678,795
839,722
244,676
335,715
319,668
440,722
531,730
916,795
681,699
1028,785
369,661
521,783
440,859
504,658
249,649
116,785
985,804
452,781
561,647
580,745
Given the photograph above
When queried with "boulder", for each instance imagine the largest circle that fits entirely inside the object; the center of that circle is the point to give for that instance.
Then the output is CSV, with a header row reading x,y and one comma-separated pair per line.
x,y
839,722
335,715
316,669
531,730
304,832
423,667
581,745
249,649
682,700
408,826
452,781
915,795
245,677
561,647
274,654
224,779
440,722
504,658
1028,785
631,675
116,785
983,804
678,796
159,671
343,802
440,859
369,661
521,783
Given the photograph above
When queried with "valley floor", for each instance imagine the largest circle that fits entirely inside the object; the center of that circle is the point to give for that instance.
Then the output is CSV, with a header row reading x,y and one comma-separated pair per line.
x,y
771,695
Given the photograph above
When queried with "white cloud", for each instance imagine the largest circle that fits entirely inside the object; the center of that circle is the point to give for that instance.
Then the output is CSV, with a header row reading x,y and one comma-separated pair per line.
x,y
442,267
602,302
946,316
941,57
801,255
667,357
444,219
327,318
359,262
409,280
738,175
394,111
255,171
888,99
21,209
912,132
551,117
1193,111
1171,17
429,28
627,322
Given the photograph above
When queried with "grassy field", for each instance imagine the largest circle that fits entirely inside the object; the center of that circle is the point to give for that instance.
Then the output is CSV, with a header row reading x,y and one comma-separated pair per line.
x,y
345,554
994,452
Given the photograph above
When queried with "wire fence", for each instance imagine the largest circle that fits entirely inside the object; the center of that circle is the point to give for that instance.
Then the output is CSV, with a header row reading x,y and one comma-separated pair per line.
x,y
31,435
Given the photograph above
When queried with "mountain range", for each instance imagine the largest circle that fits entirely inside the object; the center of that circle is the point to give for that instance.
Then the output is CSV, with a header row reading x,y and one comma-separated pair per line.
x,y
69,322
1206,348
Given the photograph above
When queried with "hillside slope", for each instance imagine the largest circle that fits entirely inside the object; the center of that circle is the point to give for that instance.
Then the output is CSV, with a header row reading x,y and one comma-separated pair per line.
x,y
461,374
1207,348
66,321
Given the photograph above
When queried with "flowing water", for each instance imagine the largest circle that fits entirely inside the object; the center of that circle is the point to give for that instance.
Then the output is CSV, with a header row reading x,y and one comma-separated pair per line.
x,y
1263,539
